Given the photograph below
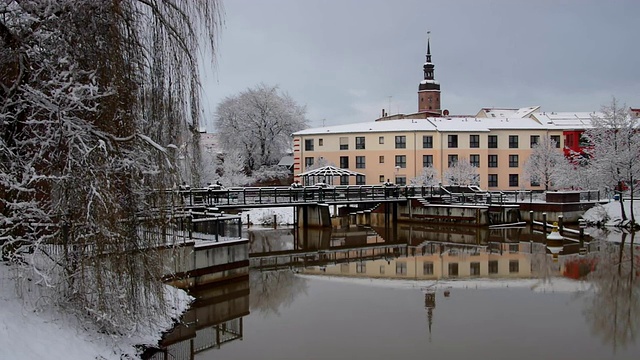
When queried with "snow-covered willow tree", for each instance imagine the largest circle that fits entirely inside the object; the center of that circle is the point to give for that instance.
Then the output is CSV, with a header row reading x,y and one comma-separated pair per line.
x,y
259,122
461,173
96,94
544,163
615,149
428,177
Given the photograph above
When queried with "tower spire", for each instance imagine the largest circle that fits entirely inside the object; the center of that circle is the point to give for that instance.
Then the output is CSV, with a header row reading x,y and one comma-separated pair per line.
x,y
428,46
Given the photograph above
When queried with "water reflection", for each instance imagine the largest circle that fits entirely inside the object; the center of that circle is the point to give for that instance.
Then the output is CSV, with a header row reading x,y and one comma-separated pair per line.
x,y
427,256
215,318
614,309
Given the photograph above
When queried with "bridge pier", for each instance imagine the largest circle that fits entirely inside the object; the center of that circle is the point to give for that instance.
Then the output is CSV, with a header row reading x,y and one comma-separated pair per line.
x,y
314,215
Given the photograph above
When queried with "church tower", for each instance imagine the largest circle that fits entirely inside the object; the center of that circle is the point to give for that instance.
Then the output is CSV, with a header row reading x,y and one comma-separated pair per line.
x,y
429,89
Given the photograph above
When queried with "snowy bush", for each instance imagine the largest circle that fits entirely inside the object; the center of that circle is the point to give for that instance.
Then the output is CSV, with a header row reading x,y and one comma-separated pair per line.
x,y
597,215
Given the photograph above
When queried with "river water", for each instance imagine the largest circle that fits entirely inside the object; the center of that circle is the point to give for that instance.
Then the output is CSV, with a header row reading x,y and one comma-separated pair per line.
x,y
430,293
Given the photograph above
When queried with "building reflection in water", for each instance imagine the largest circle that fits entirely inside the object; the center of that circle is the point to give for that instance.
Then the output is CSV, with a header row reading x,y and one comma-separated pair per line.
x,y
420,253
215,318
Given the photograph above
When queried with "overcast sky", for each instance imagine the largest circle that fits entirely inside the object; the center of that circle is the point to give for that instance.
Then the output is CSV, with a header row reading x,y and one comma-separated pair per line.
x,y
347,59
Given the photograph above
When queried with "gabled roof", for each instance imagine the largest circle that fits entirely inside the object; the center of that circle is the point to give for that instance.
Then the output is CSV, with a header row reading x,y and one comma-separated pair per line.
x,y
566,120
492,112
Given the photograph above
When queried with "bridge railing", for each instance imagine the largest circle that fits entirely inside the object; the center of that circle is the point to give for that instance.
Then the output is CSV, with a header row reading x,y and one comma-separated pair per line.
x,y
286,195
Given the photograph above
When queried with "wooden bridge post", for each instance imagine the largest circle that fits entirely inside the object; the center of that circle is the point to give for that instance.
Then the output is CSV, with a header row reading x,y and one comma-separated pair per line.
x,y
531,221
544,224
560,224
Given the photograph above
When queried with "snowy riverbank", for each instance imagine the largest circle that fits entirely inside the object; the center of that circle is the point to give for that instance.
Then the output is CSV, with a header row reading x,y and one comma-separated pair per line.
x,y
610,213
31,328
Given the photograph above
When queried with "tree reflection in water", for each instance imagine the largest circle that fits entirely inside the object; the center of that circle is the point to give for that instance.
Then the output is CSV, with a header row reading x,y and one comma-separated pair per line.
x,y
273,290
614,309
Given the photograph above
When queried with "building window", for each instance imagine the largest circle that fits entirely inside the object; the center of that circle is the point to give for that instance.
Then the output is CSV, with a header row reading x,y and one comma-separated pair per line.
x,y
493,180
401,161
401,268
453,269
513,141
381,269
359,142
474,160
474,141
344,143
344,162
320,142
535,140
344,268
568,140
493,266
514,266
452,141
344,180
427,160
427,142
360,180
401,180
492,142
308,162
493,161
361,267
381,178
381,140
474,269
514,248
513,180
513,161
535,182
556,138
381,159
308,145
427,268
360,162
453,159
401,142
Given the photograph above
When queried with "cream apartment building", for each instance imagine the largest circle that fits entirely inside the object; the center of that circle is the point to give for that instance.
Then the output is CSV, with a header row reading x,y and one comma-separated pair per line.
x,y
398,150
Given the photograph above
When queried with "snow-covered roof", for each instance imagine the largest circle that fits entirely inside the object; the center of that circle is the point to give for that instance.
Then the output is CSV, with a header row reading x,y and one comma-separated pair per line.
x,y
566,120
429,82
459,124
508,112
330,171
286,161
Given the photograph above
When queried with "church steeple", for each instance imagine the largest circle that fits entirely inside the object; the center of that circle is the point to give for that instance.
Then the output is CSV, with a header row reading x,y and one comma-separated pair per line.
x,y
429,88
428,66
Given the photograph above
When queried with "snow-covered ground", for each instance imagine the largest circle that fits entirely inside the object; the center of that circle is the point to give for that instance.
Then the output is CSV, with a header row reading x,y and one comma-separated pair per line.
x,y
34,329
610,213
264,216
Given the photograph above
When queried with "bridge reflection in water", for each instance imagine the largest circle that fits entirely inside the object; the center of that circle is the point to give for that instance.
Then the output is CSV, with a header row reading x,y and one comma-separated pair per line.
x,y
215,318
